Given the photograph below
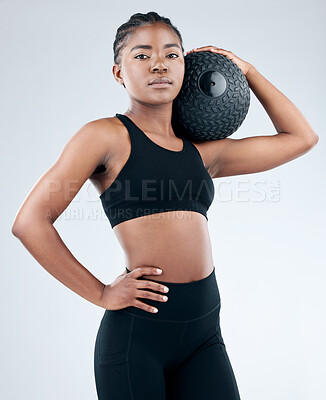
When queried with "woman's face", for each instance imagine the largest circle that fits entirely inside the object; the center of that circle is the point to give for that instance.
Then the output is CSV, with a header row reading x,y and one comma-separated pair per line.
x,y
139,66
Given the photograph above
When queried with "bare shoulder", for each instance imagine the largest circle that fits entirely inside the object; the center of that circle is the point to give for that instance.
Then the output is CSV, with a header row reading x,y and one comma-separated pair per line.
x,y
107,134
105,128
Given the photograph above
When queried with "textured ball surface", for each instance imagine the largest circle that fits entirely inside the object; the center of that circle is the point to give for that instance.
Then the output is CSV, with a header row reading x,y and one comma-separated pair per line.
x,y
214,98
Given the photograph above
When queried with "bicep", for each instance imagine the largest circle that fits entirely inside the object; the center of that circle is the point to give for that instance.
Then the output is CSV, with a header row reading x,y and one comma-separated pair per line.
x,y
254,154
57,187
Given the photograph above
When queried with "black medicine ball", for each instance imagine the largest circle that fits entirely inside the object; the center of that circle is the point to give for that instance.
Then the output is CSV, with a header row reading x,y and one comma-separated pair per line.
x,y
213,100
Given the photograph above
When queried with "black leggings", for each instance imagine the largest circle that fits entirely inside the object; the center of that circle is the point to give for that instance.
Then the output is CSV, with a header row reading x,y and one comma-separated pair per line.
x,y
177,353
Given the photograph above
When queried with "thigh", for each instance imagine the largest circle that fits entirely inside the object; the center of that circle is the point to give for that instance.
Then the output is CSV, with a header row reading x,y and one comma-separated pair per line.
x,y
206,374
117,381
119,375
110,356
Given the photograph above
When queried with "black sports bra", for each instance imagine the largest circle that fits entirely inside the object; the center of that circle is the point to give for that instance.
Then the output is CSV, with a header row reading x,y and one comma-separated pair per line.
x,y
155,180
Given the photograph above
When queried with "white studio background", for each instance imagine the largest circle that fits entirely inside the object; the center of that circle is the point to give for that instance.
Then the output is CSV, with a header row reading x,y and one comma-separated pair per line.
x,y
266,228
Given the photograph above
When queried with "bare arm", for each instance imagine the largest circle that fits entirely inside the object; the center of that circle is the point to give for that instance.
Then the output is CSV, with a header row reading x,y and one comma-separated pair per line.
x,y
50,196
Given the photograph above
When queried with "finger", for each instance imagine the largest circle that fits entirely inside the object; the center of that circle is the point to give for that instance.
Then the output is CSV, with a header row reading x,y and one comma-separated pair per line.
x,y
144,306
209,48
137,272
145,294
205,47
222,50
199,49
157,287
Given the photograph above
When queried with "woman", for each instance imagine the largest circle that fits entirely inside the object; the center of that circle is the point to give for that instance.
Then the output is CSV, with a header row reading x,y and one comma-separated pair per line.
x,y
156,349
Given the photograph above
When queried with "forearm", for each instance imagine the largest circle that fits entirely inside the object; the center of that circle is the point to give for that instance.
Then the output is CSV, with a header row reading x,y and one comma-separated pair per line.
x,y
46,246
285,116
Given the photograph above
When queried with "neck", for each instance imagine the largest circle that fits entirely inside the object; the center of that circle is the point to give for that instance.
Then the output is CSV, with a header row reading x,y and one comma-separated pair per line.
x,y
152,118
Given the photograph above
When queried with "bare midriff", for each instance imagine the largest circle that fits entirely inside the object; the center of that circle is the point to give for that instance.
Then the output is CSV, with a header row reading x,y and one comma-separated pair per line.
x,y
177,242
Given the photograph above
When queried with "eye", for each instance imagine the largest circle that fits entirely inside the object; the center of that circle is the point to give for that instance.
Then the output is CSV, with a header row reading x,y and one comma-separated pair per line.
x,y
171,54
141,55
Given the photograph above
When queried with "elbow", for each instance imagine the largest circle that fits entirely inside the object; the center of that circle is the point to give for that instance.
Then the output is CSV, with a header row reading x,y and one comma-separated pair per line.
x,y
23,226
309,141
16,230
19,227
312,140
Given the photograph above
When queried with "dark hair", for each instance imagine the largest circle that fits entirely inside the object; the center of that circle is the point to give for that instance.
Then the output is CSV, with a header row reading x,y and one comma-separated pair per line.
x,y
136,21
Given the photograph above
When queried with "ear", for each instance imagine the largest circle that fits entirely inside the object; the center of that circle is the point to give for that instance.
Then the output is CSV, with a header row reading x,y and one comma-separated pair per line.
x,y
116,70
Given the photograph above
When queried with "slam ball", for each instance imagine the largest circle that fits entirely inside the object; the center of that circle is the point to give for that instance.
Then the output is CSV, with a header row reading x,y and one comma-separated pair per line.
x,y
213,100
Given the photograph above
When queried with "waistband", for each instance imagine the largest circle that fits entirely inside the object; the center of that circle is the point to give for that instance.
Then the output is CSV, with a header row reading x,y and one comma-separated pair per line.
x,y
186,300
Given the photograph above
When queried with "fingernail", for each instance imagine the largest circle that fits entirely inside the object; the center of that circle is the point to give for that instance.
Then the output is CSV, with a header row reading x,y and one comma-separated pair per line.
x,y
158,270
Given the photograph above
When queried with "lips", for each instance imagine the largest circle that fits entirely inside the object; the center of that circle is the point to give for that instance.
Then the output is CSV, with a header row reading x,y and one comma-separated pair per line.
x,y
160,80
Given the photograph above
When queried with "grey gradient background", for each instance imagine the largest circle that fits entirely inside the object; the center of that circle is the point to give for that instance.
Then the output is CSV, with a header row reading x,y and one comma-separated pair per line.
x,y
267,229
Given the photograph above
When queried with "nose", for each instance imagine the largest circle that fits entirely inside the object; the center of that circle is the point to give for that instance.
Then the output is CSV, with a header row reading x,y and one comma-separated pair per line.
x,y
159,66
